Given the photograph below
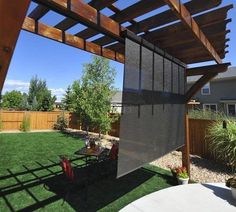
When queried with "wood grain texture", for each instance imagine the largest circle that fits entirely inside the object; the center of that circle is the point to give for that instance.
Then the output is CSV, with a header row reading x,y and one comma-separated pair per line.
x,y
53,33
11,19
181,11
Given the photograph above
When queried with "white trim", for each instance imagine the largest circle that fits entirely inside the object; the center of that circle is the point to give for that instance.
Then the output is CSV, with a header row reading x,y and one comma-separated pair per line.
x,y
209,104
204,87
227,109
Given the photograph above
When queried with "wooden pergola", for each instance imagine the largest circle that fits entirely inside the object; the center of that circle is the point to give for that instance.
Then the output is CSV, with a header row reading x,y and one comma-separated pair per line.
x,y
192,32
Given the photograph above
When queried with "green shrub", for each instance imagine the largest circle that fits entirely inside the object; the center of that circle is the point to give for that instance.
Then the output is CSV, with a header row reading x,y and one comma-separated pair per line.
x,y
222,141
61,123
25,125
206,114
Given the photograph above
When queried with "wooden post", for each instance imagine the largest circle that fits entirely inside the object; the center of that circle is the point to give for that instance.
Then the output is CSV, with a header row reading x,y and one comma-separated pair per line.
x,y
12,15
186,147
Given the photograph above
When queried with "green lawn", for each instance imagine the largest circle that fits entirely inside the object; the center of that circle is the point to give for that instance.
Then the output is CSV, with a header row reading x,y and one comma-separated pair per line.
x,y
31,179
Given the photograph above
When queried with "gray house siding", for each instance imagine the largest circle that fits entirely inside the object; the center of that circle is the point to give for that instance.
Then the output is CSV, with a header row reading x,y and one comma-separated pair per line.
x,y
222,90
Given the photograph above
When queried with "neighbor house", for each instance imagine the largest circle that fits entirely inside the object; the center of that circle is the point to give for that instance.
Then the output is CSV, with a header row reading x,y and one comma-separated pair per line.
x,y
116,102
219,94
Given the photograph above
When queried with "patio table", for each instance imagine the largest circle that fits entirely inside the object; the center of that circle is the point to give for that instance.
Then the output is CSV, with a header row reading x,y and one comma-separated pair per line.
x,y
214,197
88,152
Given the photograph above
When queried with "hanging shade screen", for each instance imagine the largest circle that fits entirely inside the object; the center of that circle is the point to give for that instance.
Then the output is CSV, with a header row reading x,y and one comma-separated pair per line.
x,y
152,120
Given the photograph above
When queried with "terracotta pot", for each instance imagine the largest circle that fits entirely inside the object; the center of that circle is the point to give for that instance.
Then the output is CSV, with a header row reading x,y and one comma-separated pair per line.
x,y
183,181
233,190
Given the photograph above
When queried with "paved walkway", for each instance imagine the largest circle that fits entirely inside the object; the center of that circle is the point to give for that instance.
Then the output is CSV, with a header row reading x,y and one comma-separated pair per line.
x,y
186,198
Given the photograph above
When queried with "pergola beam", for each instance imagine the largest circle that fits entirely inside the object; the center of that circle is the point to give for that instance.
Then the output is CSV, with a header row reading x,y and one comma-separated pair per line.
x,y
212,23
97,4
129,13
194,6
55,34
85,14
11,19
219,68
181,11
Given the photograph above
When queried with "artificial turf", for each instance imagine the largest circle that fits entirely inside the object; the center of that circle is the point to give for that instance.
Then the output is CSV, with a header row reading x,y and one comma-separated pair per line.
x,y
31,178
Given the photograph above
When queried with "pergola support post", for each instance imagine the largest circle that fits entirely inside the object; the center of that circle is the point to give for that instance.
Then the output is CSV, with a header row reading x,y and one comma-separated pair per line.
x,y
12,15
186,147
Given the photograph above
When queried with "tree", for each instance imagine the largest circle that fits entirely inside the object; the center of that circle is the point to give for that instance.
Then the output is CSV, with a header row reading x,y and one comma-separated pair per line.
x,y
40,97
24,105
12,100
95,93
34,105
67,100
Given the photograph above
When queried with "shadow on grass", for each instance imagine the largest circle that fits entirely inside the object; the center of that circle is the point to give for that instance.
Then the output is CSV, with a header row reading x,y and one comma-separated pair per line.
x,y
74,134
95,186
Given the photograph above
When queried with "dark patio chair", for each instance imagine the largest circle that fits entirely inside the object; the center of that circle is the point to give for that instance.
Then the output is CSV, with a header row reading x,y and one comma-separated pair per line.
x,y
75,179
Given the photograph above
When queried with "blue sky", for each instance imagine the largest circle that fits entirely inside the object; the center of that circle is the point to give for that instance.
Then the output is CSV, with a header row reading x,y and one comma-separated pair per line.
x,y
60,65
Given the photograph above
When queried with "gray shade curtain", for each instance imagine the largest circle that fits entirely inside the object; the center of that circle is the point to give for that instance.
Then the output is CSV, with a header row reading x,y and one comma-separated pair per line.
x,y
152,120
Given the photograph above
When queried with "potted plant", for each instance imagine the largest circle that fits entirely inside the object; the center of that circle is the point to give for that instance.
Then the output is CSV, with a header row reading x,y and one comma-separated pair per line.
x,y
182,175
231,183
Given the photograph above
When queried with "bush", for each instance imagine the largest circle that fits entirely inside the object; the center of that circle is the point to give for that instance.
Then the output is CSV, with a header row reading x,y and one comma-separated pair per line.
x,y
206,114
25,125
222,141
61,123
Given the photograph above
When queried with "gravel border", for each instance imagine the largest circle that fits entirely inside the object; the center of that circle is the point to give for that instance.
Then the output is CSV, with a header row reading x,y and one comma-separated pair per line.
x,y
202,170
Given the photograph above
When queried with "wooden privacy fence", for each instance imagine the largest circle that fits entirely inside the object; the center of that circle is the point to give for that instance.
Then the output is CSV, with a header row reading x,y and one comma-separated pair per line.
x,y
38,120
199,145
45,120
11,120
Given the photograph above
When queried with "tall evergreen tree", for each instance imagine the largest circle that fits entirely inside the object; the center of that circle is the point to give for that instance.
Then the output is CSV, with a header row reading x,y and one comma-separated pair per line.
x,y
24,103
40,94
67,100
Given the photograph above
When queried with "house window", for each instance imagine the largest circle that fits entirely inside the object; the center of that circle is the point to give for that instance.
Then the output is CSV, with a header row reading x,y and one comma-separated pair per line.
x,y
231,109
212,107
206,89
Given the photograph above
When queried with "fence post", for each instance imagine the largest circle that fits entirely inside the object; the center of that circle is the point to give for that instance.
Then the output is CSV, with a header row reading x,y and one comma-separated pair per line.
x,y
186,147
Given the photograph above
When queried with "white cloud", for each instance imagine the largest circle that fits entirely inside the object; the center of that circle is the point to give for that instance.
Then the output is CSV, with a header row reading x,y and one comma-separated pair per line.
x,y
22,86
58,92
18,85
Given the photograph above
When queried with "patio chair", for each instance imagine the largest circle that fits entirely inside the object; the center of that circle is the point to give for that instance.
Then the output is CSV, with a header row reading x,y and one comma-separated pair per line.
x,y
113,155
67,168
108,160
74,181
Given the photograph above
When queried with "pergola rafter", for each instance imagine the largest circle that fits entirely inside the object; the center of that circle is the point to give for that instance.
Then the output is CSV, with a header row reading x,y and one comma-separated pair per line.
x,y
162,18
181,11
67,23
129,13
39,12
213,24
86,15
